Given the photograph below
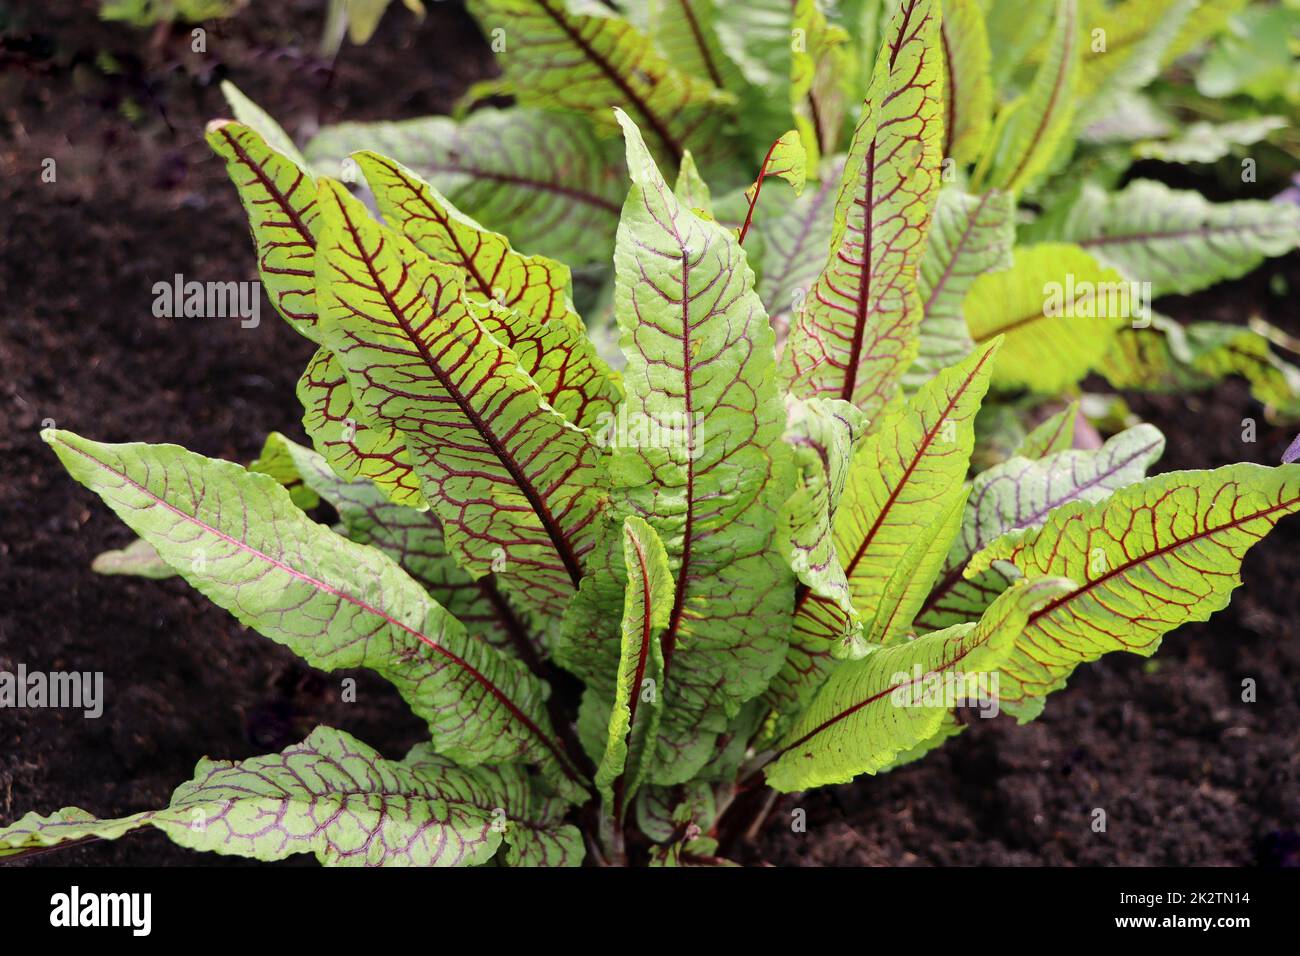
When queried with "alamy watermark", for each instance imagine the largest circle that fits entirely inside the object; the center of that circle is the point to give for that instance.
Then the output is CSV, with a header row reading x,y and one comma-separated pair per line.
x,y
208,300
78,690
977,689
133,911
1085,299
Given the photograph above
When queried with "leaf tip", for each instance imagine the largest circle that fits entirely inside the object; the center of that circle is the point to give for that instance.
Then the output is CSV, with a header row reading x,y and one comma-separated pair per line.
x,y
640,163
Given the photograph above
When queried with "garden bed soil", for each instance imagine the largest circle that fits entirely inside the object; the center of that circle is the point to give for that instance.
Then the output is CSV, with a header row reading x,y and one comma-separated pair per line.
x,y
1186,772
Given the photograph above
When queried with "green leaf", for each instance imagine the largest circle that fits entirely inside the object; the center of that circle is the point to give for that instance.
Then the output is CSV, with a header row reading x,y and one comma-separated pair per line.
x,y
1013,28
364,16
1150,557
908,478
1031,129
543,178
698,852
821,628
1175,239
691,190
355,446
795,232
700,458
757,37
664,812
562,363
254,117
1058,311
413,538
147,13
824,434
1052,435
1210,142
585,62
1021,493
1168,357
733,747
686,34
528,815
280,199
1130,117
787,159
331,796
886,597
239,540
872,710
138,559
539,839
647,607
533,285
856,334
910,582
512,482
1255,56
523,301
1128,44
968,82
970,235
1212,17
278,460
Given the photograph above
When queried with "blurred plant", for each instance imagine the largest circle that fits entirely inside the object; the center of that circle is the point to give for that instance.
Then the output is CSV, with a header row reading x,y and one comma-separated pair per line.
x,y
357,20
146,13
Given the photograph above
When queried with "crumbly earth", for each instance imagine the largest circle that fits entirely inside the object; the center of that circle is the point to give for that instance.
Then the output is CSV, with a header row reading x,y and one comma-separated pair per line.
x,y
1185,771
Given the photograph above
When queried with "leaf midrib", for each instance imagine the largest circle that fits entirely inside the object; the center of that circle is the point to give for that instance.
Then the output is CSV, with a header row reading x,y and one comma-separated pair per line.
x,y
1159,552
968,230
698,36
269,185
443,222
669,643
558,541
634,99
868,226
914,463
1132,238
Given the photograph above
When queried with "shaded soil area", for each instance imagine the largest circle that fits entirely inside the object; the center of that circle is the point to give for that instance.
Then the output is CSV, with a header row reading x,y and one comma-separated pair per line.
x,y
1185,771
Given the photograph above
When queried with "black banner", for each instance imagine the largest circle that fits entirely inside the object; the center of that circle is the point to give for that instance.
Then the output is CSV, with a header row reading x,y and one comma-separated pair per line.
x,y
263,906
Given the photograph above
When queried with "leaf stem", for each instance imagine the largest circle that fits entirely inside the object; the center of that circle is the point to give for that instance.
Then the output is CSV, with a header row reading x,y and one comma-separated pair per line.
x,y
758,188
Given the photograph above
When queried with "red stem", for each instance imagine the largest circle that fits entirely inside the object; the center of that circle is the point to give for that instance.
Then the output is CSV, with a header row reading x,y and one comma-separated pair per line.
x,y
758,188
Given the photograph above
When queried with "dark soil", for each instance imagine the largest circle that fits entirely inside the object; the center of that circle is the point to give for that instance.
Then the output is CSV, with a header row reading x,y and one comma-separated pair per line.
x,y
1185,771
